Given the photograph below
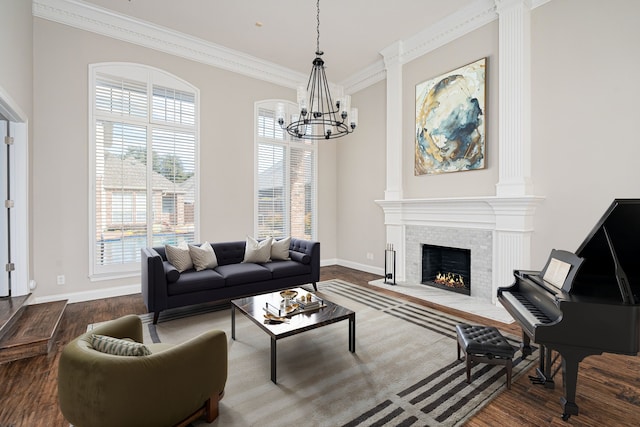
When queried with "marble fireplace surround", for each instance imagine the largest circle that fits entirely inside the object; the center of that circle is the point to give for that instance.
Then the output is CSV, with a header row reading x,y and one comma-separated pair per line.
x,y
497,230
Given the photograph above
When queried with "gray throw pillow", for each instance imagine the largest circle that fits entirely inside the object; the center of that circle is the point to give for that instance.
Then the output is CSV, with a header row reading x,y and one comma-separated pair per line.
x,y
179,256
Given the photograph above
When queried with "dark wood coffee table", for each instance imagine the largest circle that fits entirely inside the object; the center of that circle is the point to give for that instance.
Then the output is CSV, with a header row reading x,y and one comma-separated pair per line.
x,y
253,308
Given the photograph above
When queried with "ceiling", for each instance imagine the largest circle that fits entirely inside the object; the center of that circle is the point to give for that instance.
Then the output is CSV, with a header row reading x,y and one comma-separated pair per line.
x,y
352,32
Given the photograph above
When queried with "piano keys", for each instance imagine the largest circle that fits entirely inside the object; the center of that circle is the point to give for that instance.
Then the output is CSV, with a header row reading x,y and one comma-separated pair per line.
x,y
582,304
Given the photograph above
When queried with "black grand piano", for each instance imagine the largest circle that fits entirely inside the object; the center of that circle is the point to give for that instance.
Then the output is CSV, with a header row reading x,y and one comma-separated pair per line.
x,y
582,304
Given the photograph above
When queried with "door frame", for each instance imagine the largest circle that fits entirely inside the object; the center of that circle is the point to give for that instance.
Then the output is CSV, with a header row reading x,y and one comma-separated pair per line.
x,y
19,214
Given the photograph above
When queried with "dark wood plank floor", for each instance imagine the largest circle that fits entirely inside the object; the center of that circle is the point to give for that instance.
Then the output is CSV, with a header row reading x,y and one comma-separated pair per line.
x,y
608,385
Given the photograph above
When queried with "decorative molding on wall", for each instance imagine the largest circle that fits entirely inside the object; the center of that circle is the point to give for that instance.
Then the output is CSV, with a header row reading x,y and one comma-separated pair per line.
x,y
107,23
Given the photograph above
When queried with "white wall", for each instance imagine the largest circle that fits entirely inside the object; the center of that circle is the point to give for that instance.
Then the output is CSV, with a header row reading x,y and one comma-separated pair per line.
x,y
60,152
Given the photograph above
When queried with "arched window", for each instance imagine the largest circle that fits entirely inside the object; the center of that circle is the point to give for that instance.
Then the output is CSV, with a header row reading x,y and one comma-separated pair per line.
x,y
144,131
286,178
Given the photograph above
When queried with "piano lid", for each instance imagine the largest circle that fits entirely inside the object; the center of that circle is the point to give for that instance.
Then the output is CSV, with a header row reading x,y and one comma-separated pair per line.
x,y
610,254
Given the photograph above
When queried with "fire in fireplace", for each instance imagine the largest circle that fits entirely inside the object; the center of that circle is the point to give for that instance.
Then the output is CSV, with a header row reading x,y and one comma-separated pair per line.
x,y
447,268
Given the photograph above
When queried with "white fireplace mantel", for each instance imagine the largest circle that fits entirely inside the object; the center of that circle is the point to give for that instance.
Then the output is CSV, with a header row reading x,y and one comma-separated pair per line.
x,y
509,219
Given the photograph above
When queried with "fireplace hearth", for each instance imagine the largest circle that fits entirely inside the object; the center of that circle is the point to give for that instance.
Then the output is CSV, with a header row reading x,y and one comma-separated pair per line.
x,y
447,268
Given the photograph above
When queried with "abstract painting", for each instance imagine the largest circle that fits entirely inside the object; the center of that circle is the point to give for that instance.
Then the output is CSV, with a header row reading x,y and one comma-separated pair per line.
x,y
450,124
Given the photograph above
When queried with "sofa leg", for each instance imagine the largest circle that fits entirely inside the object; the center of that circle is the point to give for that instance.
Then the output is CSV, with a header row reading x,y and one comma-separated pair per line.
x,y
156,315
211,407
315,288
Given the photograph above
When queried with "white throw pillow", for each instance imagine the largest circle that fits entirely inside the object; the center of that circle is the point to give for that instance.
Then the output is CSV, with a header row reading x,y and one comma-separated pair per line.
x,y
280,249
257,251
203,257
179,256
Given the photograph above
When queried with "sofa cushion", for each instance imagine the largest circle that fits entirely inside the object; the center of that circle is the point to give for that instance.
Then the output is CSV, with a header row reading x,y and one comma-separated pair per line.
x,y
194,281
118,347
170,272
286,268
280,249
237,274
300,257
203,256
179,256
255,251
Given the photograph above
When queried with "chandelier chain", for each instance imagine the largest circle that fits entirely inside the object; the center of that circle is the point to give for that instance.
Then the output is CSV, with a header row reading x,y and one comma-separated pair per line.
x,y
318,26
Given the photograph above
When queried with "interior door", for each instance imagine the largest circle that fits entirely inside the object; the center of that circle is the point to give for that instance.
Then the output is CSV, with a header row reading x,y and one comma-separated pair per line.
x,y
5,238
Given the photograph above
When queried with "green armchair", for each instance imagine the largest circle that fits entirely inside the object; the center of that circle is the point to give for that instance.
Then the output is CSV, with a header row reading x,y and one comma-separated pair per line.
x,y
174,385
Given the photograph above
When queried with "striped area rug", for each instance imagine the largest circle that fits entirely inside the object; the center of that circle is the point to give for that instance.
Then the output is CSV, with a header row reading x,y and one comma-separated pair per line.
x,y
404,371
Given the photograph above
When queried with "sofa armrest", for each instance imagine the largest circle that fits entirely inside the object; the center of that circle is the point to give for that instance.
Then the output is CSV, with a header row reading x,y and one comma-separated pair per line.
x,y
307,248
153,280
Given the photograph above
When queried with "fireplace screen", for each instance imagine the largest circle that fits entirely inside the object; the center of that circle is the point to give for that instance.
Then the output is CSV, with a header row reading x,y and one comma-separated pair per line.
x,y
447,268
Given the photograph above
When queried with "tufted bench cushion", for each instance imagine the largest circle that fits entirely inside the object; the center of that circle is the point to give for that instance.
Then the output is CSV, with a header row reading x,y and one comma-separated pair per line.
x,y
484,344
484,340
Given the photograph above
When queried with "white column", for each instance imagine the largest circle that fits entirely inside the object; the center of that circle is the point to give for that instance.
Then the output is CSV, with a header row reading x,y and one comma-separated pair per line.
x,y
514,99
395,230
393,67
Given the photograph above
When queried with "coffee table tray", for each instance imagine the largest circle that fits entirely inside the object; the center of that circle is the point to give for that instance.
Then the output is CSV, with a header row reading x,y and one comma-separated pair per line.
x,y
293,309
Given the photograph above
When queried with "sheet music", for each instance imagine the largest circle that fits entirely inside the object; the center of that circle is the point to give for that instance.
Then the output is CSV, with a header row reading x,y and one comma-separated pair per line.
x,y
557,272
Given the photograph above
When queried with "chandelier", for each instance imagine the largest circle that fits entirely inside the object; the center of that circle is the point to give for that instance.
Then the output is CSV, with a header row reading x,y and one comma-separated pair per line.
x,y
319,117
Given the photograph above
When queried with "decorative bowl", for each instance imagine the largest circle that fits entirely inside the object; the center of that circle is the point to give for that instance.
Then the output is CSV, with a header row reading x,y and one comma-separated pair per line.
x,y
289,293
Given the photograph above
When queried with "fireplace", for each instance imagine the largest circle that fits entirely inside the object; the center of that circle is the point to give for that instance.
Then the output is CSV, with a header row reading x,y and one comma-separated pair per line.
x,y
447,268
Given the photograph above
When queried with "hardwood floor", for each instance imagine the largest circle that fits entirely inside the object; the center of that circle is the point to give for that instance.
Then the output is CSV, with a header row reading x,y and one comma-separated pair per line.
x,y
608,385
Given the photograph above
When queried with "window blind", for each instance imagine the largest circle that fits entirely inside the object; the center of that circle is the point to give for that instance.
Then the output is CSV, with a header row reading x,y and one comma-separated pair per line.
x,y
286,179
144,148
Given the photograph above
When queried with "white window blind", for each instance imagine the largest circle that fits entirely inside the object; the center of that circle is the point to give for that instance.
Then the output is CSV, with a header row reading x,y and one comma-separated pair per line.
x,y
144,161
286,179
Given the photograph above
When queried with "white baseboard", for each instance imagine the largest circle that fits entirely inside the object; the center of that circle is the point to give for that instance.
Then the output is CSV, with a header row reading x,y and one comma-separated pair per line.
x,y
90,295
362,267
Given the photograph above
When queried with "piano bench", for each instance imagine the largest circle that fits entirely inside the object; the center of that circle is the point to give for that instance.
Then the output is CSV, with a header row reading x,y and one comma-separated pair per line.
x,y
484,344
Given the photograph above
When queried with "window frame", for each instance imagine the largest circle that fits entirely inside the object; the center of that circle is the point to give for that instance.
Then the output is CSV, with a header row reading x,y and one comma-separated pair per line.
x,y
288,143
153,77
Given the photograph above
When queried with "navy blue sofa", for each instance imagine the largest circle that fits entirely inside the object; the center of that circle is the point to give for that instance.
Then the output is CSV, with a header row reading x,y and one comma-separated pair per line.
x,y
163,287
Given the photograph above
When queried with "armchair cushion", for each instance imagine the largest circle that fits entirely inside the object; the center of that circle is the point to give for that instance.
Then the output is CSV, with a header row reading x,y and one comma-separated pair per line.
x,y
118,347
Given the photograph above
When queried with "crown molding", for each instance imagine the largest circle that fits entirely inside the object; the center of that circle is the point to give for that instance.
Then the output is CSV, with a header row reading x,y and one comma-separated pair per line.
x,y
84,16
88,17
456,25
368,76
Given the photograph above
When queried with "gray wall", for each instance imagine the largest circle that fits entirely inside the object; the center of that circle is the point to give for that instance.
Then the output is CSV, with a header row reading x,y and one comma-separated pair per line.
x,y
60,152
585,147
584,144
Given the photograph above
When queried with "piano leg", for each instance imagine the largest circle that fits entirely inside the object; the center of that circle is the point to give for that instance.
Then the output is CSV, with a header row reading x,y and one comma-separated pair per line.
x,y
571,359
525,346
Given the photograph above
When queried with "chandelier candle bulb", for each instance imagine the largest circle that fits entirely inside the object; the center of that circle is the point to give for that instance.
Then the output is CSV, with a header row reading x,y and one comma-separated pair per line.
x,y
354,118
